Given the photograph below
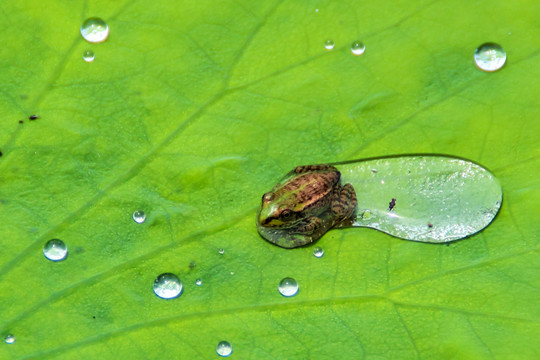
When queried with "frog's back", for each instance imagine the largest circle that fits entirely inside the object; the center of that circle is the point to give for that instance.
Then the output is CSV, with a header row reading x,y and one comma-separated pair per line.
x,y
313,189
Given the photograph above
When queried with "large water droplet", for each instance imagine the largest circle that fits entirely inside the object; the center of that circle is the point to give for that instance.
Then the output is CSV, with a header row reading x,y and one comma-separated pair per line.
x,y
489,57
94,30
423,198
139,216
329,44
358,48
88,56
9,339
55,250
224,349
318,252
288,287
167,286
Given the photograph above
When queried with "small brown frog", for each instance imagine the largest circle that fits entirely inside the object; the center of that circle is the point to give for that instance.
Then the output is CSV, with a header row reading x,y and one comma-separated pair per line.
x,y
304,205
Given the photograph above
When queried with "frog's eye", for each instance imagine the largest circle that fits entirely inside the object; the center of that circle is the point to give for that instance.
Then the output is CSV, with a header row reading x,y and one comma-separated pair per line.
x,y
286,214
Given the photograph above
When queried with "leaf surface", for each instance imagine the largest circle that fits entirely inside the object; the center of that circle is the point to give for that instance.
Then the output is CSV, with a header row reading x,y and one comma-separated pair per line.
x,y
191,111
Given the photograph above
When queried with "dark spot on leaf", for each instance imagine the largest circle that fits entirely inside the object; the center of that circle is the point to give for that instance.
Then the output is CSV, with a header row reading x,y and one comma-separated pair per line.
x,y
391,204
20,121
192,265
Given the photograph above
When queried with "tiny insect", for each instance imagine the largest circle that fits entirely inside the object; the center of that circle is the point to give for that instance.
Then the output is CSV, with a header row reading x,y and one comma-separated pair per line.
x,y
33,117
391,204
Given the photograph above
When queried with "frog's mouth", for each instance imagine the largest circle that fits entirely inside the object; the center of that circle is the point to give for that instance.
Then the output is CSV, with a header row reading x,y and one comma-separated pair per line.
x,y
283,237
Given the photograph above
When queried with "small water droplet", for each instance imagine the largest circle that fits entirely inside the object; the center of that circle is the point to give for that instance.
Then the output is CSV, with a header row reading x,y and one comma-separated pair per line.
x,y
139,216
358,48
316,10
88,56
94,30
288,287
9,339
489,57
224,349
198,282
221,251
167,286
55,250
232,273
318,252
329,44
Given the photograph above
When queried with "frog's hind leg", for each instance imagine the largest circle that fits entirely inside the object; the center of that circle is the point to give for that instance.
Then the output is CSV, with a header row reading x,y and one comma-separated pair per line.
x,y
344,202
319,167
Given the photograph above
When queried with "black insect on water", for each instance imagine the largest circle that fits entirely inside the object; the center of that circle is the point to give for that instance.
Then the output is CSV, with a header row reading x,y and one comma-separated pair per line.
x,y
391,204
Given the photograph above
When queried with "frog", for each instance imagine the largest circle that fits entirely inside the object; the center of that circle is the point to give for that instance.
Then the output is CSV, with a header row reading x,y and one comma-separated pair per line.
x,y
304,205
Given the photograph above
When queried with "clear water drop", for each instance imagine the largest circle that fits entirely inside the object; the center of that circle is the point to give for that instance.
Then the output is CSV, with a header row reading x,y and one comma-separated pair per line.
x,y
167,286
221,251
198,282
489,57
318,252
288,287
224,349
358,48
88,56
95,30
55,250
457,197
139,216
9,339
329,44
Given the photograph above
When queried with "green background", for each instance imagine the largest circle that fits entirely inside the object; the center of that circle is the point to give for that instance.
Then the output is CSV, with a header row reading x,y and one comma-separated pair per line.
x,y
192,110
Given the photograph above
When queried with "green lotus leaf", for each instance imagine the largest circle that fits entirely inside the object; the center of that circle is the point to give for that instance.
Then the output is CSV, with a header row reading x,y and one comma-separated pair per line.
x,y
191,110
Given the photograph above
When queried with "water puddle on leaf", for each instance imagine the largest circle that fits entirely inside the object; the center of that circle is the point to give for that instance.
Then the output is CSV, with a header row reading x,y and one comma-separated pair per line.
x,y
423,198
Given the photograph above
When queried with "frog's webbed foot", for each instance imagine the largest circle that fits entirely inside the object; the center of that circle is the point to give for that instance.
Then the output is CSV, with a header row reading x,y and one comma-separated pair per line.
x,y
344,203
320,167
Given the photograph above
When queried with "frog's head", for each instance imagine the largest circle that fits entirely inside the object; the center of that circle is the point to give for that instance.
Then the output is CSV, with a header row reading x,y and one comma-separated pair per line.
x,y
276,213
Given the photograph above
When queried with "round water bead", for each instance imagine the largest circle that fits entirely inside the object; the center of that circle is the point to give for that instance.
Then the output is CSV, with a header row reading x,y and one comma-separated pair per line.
x,y
167,286
9,339
139,216
489,57
224,349
329,44
288,287
55,250
95,30
88,56
318,252
358,48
